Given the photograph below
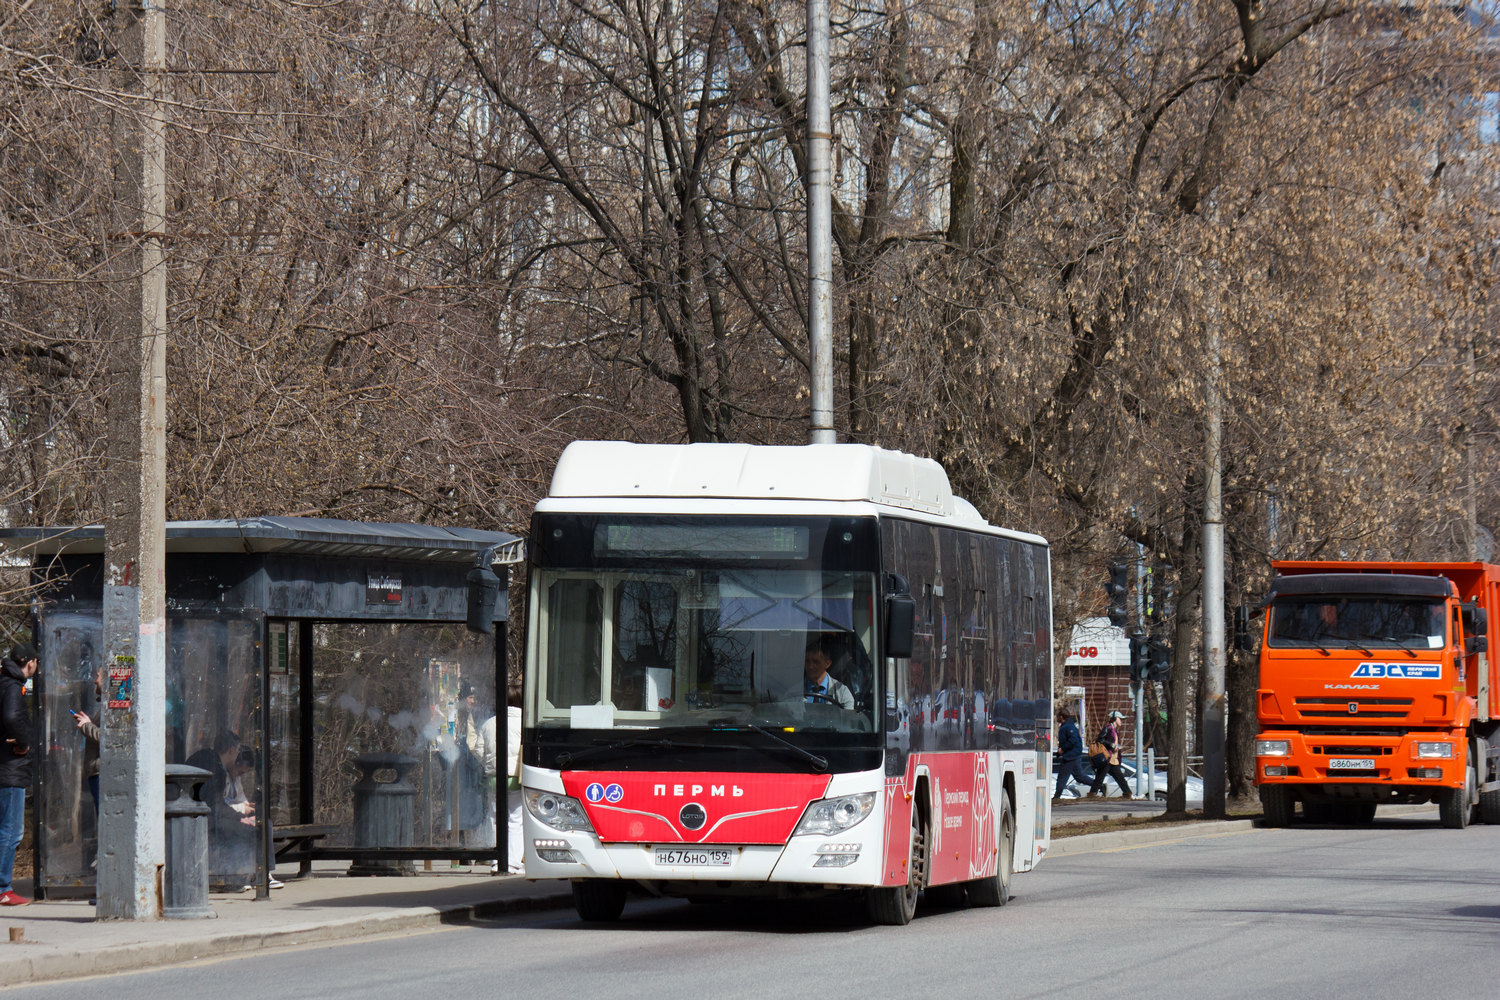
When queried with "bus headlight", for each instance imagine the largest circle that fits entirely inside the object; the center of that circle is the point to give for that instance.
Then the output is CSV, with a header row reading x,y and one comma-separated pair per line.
x,y
835,815
1444,750
1273,748
561,812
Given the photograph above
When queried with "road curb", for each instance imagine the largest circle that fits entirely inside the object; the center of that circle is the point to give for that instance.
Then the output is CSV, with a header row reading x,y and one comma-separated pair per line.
x,y
70,963
1110,839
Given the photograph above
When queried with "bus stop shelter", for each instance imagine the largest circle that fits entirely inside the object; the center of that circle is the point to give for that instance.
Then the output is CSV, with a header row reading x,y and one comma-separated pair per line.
x,y
329,661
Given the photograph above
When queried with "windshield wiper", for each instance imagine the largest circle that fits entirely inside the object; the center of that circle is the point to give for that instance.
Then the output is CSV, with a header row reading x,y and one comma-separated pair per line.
x,y
1399,645
818,763
568,757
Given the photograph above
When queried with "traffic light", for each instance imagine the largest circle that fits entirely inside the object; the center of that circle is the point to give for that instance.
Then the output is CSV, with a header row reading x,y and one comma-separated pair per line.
x,y
1159,659
1118,590
1139,657
1166,605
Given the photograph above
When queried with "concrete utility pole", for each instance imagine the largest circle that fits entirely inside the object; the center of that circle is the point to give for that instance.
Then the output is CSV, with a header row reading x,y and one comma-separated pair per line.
x,y
819,222
1214,701
133,751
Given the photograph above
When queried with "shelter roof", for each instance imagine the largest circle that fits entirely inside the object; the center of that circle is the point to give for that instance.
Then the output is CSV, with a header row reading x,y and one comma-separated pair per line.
x,y
301,535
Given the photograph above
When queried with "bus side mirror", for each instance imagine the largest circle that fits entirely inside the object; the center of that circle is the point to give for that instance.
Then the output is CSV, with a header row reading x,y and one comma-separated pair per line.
x,y
900,619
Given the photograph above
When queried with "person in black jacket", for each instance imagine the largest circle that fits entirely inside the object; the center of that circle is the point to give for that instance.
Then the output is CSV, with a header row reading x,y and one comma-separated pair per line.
x,y
1070,755
15,762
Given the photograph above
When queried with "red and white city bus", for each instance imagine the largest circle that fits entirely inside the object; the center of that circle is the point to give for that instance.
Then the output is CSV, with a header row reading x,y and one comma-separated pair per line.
x,y
781,671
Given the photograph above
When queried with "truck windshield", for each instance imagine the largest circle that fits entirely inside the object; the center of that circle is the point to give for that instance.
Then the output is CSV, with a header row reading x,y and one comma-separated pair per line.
x,y
1362,622
682,623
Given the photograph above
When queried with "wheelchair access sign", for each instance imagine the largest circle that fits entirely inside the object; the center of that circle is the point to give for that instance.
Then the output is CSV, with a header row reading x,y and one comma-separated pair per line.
x,y
1416,671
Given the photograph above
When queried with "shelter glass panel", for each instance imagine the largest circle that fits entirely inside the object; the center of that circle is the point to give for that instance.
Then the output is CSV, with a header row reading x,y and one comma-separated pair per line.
x,y
71,656
405,735
212,716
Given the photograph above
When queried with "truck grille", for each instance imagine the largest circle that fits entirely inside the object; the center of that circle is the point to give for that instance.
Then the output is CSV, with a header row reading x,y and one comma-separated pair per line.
x,y
1364,708
1343,751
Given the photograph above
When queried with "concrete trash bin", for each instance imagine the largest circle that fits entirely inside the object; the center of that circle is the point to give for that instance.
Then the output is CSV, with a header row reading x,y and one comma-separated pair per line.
x,y
384,811
185,876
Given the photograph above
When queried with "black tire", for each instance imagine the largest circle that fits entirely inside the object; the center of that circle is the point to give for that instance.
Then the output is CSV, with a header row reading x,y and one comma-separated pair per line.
x,y
1275,805
1362,813
1489,807
599,901
895,905
1453,803
995,890
948,896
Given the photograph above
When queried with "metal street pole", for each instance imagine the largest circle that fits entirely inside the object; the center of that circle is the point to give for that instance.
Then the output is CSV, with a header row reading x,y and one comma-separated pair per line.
x,y
1214,715
1138,689
819,222
133,746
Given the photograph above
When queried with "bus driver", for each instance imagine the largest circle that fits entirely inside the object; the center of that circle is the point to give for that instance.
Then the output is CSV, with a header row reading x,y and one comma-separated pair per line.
x,y
820,685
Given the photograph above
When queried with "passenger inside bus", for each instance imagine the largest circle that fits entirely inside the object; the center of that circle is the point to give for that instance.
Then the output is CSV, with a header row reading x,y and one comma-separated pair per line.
x,y
821,686
852,666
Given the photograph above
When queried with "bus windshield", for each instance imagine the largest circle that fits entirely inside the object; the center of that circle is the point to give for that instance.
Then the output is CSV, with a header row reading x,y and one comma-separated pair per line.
x,y
1365,622
692,623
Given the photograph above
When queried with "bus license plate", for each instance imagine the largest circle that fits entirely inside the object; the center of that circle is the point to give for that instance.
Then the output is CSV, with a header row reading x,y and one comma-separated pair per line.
x,y
1352,764
685,858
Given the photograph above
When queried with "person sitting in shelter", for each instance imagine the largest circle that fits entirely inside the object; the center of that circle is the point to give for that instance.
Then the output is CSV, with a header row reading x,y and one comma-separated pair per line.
x,y
231,817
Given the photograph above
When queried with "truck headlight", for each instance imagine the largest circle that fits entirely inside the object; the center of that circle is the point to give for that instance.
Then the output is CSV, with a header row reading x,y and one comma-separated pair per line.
x,y
835,815
561,812
1444,750
1273,748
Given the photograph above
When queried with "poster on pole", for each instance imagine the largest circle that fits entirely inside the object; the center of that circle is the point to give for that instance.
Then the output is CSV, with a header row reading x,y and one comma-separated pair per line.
x,y
121,682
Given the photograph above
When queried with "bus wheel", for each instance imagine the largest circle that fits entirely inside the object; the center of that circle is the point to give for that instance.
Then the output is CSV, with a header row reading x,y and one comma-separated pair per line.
x,y
599,900
995,890
896,905
1275,805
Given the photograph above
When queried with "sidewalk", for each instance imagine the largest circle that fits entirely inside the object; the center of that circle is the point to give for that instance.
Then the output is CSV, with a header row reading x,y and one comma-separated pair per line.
x,y
61,939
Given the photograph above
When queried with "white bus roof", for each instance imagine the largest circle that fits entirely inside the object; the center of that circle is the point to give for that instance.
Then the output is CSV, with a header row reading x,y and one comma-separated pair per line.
x,y
815,472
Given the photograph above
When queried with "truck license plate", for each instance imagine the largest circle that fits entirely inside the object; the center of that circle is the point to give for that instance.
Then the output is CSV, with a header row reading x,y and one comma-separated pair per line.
x,y
1352,764
690,858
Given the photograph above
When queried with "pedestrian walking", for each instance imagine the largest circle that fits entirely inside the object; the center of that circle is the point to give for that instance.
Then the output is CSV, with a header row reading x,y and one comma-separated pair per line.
x,y
1069,755
1106,758
15,762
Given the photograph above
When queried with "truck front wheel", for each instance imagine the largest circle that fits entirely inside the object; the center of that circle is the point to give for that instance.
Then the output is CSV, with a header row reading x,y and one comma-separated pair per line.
x,y
1276,805
1453,803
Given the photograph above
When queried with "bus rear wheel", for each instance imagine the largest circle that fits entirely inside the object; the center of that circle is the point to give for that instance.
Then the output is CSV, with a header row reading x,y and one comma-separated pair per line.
x,y
599,901
895,905
995,890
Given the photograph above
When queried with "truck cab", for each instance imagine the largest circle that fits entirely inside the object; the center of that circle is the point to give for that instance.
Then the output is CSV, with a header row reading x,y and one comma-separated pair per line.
x,y
1375,688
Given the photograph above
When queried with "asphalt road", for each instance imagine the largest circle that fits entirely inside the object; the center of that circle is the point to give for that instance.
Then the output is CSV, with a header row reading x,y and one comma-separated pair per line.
x,y
1399,909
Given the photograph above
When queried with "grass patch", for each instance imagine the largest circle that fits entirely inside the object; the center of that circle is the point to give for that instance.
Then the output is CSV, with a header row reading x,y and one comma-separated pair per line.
x,y
1106,824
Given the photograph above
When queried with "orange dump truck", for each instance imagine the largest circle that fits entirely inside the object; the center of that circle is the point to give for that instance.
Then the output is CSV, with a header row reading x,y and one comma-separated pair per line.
x,y
1376,686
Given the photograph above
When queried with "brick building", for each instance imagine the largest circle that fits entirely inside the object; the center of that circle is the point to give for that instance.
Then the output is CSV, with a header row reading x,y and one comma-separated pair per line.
x,y
1099,662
